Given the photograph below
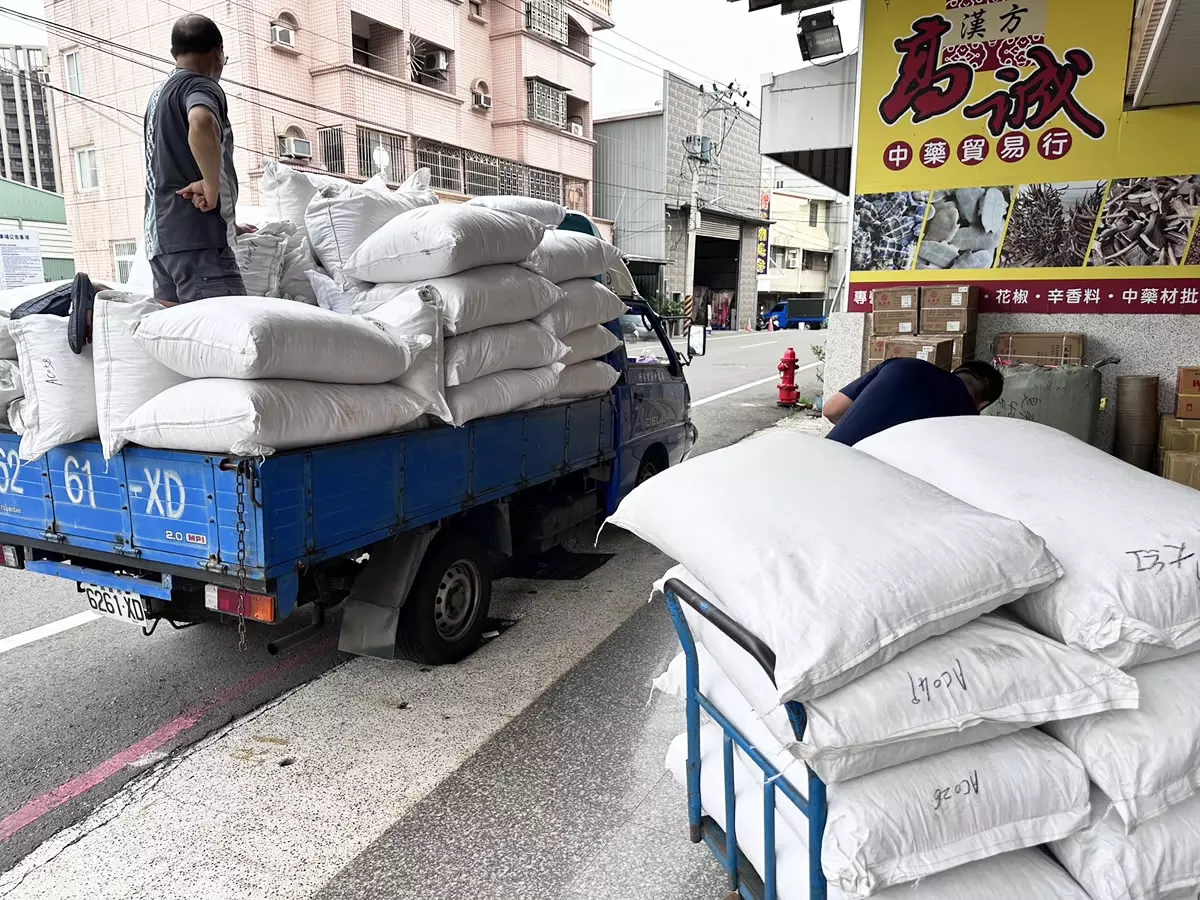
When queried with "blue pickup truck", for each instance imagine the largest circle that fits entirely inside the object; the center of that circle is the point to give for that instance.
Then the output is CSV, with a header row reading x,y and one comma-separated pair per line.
x,y
809,312
405,528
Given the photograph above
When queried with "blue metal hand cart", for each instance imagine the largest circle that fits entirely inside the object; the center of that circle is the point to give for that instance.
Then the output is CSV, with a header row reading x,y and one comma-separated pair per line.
x,y
744,881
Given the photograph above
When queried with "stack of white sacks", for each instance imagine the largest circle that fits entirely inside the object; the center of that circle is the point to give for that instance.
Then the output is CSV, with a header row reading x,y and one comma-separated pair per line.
x,y
407,309
955,616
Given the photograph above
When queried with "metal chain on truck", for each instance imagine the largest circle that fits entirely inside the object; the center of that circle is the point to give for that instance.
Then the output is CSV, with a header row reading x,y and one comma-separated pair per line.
x,y
242,468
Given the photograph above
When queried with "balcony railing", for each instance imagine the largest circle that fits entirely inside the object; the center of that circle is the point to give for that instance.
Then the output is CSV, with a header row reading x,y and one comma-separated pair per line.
x,y
604,7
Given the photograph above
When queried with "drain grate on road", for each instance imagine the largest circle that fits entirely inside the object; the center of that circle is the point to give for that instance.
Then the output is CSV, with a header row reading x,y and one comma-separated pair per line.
x,y
559,565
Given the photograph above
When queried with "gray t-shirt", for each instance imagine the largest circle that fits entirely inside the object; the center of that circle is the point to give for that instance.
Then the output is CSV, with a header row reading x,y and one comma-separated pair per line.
x,y
172,222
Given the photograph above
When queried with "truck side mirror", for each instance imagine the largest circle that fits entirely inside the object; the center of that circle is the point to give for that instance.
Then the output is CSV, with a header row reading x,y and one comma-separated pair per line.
x,y
697,340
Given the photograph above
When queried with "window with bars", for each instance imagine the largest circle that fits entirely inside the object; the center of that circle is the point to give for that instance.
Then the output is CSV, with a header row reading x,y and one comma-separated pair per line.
x,y
333,149
380,153
545,186
483,175
445,165
547,18
547,104
124,253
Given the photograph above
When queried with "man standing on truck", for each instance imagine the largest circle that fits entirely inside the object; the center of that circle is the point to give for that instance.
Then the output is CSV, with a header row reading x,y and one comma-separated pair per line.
x,y
191,185
905,390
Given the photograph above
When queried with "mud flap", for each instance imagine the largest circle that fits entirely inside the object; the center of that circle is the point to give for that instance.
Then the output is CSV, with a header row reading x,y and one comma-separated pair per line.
x,y
372,611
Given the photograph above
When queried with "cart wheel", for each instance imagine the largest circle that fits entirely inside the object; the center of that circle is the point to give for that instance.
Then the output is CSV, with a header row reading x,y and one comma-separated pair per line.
x,y
442,621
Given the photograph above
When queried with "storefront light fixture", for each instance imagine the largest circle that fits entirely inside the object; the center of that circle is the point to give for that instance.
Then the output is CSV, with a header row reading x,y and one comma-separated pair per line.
x,y
819,36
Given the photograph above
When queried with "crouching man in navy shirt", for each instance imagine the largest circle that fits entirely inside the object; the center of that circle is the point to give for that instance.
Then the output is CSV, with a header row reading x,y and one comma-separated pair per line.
x,y
904,390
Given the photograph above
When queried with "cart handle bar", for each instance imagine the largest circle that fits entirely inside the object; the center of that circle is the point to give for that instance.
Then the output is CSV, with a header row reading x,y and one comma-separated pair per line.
x,y
739,634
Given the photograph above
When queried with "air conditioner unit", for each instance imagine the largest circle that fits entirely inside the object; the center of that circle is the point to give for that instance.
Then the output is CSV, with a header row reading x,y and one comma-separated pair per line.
x,y
481,101
297,148
576,128
791,261
437,61
283,36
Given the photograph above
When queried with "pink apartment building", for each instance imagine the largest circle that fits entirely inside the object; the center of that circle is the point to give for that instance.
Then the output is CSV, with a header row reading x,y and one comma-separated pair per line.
x,y
494,96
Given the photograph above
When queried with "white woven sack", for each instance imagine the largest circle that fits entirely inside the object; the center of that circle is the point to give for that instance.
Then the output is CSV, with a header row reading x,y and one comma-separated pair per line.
x,y
586,302
414,312
60,386
339,218
288,191
522,345
11,386
436,241
10,299
569,255
330,295
258,418
126,375
1159,861
989,678
420,180
502,392
1146,759
260,259
266,337
1128,595
548,213
477,298
1027,874
593,342
839,594
585,379
298,261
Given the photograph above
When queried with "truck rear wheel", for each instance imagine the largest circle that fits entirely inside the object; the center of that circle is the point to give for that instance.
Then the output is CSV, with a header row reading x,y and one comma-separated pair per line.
x,y
443,619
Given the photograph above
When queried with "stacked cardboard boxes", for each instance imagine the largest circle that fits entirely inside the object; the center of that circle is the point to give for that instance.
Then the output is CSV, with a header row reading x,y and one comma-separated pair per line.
x,y
1179,450
940,352
1187,393
949,310
1040,349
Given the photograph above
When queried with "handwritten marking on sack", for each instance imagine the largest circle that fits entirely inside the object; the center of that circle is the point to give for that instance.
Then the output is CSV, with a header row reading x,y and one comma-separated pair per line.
x,y
966,789
173,499
78,481
48,370
10,470
1157,560
946,680
1025,409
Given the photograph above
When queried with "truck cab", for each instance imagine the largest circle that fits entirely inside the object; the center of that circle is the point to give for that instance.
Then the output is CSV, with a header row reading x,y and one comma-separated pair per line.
x,y
793,313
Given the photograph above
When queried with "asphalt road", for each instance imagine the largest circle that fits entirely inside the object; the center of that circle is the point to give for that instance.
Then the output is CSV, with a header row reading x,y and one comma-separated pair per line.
x,y
86,707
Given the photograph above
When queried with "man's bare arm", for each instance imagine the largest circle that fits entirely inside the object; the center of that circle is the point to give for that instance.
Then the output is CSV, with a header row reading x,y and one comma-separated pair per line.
x,y
837,407
204,140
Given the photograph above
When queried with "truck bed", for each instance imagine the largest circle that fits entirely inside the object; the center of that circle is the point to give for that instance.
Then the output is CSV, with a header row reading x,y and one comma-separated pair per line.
x,y
175,512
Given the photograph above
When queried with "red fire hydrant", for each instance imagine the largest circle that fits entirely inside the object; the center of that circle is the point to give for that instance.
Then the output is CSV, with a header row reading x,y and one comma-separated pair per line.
x,y
788,395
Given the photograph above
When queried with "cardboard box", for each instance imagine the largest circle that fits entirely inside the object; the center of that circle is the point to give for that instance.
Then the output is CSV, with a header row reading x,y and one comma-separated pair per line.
x,y
950,296
964,344
1189,380
948,321
1180,440
895,321
1182,468
1187,406
940,352
1040,348
1169,424
895,298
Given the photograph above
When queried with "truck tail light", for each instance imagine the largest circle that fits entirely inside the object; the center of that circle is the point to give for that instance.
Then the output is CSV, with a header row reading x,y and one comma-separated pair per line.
x,y
259,607
12,556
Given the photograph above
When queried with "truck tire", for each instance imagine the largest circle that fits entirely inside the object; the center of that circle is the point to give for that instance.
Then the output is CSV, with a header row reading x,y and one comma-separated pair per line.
x,y
443,619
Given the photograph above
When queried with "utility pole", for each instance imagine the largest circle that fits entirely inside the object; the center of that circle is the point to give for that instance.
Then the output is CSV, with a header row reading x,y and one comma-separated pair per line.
x,y
721,97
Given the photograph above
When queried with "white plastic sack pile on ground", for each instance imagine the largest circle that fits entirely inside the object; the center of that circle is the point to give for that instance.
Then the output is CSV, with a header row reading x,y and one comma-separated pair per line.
x,y
989,678
264,337
837,595
1121,533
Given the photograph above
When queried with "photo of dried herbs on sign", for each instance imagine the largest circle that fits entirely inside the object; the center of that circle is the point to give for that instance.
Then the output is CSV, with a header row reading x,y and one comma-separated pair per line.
x,y
1147,222
1052,224
886,229
964,228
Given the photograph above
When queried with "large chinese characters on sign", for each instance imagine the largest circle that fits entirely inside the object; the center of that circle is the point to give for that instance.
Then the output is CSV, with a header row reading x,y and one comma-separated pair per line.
x,y
994,147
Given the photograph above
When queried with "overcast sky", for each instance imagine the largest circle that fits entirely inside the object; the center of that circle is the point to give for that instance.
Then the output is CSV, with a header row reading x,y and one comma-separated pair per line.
x,y
18,32
702,40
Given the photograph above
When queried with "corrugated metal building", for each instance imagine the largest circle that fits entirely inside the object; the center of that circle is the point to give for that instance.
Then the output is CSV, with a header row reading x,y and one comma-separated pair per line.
x,y
643,183
28,208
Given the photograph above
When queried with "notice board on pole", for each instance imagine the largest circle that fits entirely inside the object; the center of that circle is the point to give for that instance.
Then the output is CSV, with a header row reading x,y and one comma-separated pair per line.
x,y
20,259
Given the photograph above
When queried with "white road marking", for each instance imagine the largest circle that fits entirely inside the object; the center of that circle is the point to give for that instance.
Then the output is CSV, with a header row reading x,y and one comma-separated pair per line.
x,y
47,630
762,344
746,387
